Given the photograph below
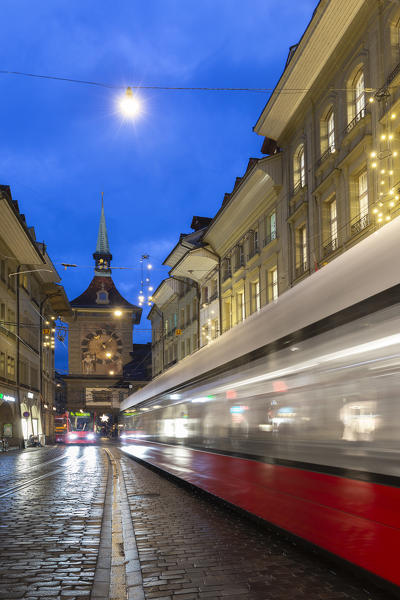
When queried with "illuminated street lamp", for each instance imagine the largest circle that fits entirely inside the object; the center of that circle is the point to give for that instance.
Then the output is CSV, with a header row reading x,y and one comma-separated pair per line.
x,y
129,105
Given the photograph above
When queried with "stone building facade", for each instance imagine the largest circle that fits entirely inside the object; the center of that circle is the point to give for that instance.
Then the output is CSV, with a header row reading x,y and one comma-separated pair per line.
x,y
331,174
31,299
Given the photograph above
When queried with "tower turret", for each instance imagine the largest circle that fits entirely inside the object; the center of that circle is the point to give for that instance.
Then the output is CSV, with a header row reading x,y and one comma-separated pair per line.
x,y
102,255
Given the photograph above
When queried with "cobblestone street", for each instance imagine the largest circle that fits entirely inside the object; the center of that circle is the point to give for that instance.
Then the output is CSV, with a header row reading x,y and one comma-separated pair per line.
x,y
82,522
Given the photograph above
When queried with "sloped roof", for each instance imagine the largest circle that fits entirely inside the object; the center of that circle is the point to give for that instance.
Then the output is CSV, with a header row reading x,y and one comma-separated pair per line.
x,y
88,298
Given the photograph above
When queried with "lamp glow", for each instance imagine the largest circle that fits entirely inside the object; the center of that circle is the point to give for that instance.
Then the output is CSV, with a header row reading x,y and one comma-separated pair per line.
x,y
129,105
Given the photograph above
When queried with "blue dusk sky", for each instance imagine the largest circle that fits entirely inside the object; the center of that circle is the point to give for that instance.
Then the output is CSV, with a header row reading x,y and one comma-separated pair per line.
x,y
63,143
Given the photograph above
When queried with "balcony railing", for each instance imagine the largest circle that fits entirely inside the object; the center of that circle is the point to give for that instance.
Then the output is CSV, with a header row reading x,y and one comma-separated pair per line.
x,y
301,269
226,274
361,224
331,150
295,205
299,186
393,74
359,116
270,238
239,263
330,247
213,297
253,251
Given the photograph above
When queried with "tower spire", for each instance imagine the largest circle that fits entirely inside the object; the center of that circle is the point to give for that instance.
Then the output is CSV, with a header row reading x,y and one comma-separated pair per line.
x,y
102,255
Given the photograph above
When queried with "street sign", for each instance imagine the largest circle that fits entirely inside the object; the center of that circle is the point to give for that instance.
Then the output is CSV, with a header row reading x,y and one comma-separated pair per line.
x,y
178,331
46,331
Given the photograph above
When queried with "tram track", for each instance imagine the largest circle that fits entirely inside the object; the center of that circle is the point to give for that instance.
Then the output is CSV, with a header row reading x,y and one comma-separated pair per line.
x,y
29,482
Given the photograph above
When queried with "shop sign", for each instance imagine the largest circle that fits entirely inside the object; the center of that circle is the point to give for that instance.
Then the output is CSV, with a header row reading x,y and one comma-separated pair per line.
x,y
30,395
25,414
7,430
79,414
7,398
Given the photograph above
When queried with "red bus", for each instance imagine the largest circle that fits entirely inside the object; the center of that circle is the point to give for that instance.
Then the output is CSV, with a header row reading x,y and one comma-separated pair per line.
x,y
75,427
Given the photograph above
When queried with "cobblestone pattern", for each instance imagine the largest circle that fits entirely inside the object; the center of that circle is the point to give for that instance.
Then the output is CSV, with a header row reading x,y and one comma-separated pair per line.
x,y
16,466
192,549
50,531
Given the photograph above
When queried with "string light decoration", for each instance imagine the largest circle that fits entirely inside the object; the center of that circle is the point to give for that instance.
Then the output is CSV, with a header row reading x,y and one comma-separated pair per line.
x,y
384,162
146,288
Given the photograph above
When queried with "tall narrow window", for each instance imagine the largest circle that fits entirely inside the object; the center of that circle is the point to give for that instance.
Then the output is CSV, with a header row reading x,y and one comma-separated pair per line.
x,y
302,168
363,194
272,280
301,251
240,307
359,94
331,131
255,296
333,224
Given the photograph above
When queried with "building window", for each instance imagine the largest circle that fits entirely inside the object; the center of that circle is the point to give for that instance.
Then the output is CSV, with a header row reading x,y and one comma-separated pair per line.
x,y
331,131
359,91
270,228
227,314
333,221
2,364
272,280
188,346
255,296
102,297
240,307
2,314
363,194
183,349
182,318
194,342
239,257
253,243
299,169
226,269
361,219
214,290
205,295
301,251
3,270
10,367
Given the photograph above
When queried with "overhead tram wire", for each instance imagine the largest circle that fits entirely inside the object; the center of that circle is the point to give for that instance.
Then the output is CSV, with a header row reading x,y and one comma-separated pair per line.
x,y
257,90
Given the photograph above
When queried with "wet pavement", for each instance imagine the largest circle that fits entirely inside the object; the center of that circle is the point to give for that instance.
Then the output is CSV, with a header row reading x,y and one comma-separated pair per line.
x,y
89,522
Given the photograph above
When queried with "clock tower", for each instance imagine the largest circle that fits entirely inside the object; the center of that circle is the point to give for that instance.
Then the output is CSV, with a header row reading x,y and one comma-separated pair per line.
x,y
99,338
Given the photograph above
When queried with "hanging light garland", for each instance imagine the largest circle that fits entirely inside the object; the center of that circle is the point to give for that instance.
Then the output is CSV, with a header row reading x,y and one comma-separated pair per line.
x,y
384,163
145,283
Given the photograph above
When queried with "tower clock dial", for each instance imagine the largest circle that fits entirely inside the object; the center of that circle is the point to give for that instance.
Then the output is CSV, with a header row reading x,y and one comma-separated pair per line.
x,y
101,349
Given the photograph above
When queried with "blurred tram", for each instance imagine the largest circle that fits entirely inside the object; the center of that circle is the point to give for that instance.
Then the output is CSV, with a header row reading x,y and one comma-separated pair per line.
x,y
296,411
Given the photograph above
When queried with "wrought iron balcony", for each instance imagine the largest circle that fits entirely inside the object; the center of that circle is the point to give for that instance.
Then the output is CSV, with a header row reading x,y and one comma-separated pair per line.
x,y
226,274
361,224
253,251
213,297
330,247
359,116
301,269
331,150
270,238
393,74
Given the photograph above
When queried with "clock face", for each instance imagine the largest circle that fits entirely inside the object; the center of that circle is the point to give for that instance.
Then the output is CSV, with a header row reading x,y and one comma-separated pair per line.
x,y
101,352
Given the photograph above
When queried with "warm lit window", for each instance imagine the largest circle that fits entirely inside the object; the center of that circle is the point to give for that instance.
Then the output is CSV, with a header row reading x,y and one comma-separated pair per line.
x,y
333,220
272,281
359,90
331,131
363,194
227,314
240,307
301,168
255,296
301,250
239,257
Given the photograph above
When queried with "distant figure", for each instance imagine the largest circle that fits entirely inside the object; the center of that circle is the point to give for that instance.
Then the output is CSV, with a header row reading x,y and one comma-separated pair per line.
x,y
88,364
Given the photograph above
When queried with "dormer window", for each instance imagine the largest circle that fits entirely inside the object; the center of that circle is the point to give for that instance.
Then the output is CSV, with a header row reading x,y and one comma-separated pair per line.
x,y
102,297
